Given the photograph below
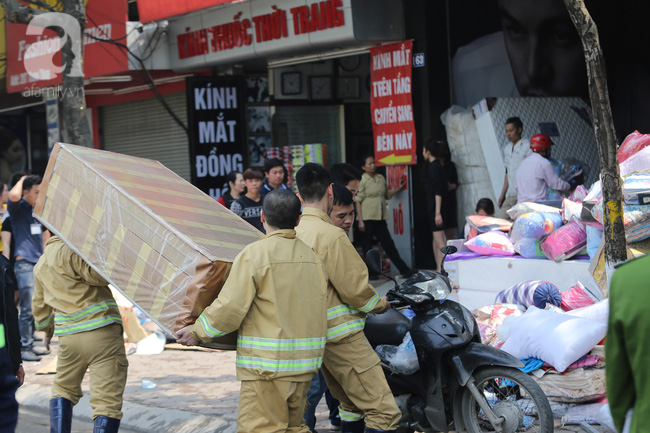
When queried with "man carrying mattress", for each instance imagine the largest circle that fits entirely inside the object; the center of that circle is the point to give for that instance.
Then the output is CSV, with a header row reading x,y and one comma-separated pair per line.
x,y
73,302
276,297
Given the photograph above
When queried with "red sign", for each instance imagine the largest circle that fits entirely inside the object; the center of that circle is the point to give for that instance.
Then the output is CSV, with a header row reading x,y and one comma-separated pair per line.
x,y
154,10
391,105
106,20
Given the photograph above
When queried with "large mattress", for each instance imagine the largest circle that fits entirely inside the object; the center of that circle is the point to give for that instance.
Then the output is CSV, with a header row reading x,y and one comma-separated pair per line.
x,y
159,240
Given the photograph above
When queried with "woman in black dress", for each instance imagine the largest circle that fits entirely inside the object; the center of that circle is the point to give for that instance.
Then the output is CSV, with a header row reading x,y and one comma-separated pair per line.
x,y
439,179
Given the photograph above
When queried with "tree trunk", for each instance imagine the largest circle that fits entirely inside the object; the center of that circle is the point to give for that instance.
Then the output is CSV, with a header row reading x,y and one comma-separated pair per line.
x,y
76,125
615,245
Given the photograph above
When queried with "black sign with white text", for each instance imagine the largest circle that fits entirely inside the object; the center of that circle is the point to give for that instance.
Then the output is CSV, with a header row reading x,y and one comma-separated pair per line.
x,y
216,122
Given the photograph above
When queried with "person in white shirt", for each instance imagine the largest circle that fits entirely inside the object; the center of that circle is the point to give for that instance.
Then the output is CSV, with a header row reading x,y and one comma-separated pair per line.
x,y
516,150
536,172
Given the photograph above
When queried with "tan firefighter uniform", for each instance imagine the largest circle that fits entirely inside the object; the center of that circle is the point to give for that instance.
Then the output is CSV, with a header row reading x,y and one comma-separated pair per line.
x,y
72,301
276,295
350,365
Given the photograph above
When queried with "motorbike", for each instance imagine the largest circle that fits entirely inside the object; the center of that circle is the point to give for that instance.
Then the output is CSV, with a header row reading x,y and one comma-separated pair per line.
x,y
461,384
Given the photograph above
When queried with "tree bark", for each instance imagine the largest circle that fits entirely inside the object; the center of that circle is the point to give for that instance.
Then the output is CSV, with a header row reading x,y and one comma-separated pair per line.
x,y
77,127
615,245
73,100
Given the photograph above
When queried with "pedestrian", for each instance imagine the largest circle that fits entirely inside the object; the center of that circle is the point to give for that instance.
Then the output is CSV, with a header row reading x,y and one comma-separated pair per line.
x,y
372,213
514,152
276,296
9,318
249,205
275,176
73,302
536,172
435,185
449,203
351,367
29,238
236,188
342,216
484,207
8,386
627,346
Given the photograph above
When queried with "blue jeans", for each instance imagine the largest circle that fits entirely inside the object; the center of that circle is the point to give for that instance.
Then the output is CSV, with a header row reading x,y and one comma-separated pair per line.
x,y
24,271
316,391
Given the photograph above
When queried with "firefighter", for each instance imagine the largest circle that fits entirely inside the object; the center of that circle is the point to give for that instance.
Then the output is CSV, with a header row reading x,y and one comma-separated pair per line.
x,y
350,365
276,296
73,302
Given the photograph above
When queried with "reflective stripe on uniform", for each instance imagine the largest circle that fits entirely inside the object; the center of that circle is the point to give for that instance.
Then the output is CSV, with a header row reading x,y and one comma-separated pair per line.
x,y
87,325
349,416
212,332
88,311
345,328
340,310
370,304
2,335
45,323
281,343
276,365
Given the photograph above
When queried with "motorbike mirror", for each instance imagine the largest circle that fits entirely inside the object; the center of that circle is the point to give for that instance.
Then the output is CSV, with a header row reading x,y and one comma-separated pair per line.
x,y
449,249
373,261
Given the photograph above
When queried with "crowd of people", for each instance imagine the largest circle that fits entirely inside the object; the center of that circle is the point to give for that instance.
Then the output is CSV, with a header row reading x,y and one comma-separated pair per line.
x,y
309,231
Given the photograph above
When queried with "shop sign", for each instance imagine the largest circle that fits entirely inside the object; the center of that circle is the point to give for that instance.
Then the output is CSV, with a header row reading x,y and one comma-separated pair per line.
x,y
399,211
215,118
257,29
391,104
34,60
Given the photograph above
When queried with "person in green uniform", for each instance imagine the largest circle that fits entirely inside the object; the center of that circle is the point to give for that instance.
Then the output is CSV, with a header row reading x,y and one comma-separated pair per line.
x,y
627,348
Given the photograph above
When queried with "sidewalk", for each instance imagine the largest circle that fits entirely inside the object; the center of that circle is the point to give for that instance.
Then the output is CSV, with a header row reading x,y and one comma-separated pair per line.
x,y
196,390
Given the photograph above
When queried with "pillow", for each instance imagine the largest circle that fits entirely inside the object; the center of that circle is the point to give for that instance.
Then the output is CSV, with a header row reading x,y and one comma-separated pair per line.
x,y
482,224
534,225
558,339
565,242
531,293
491,244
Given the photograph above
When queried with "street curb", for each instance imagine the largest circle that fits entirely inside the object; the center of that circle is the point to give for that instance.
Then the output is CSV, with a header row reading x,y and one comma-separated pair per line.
x,y
136,416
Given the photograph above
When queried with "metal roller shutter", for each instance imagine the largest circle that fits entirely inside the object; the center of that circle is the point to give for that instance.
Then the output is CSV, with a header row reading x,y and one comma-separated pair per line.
x,y
145,129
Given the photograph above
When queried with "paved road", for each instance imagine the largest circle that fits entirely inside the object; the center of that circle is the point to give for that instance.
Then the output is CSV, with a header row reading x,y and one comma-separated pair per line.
x,y
38,421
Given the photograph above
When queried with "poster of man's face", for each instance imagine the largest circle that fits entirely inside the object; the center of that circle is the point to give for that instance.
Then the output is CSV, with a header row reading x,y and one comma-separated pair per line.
x,y
509,48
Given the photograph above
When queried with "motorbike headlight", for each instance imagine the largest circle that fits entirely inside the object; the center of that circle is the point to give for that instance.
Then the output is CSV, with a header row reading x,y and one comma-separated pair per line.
x,y
436,289
418,297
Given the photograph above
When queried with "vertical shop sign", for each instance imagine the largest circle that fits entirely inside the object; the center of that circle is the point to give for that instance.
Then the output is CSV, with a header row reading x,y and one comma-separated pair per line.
x,y
215,118
391,104
399,211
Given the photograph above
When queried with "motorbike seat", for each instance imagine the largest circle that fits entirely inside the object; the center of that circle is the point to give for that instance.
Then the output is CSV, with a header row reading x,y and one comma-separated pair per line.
x,y
388,328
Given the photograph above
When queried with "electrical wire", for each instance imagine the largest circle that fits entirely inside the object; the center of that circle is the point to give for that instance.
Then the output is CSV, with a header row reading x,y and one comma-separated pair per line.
x,y
151,83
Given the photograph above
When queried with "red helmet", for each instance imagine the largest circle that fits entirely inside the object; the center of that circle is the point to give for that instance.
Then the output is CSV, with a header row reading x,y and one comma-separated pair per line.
x,y
540,142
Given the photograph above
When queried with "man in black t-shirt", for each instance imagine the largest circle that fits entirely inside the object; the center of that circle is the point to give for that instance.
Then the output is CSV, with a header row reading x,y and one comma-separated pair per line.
x,y
249,206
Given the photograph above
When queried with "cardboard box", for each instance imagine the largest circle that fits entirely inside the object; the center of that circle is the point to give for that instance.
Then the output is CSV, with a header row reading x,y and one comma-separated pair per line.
x,y
159,240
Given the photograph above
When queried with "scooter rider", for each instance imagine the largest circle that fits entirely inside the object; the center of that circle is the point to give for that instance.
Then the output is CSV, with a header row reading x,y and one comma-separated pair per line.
x,y
351,368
